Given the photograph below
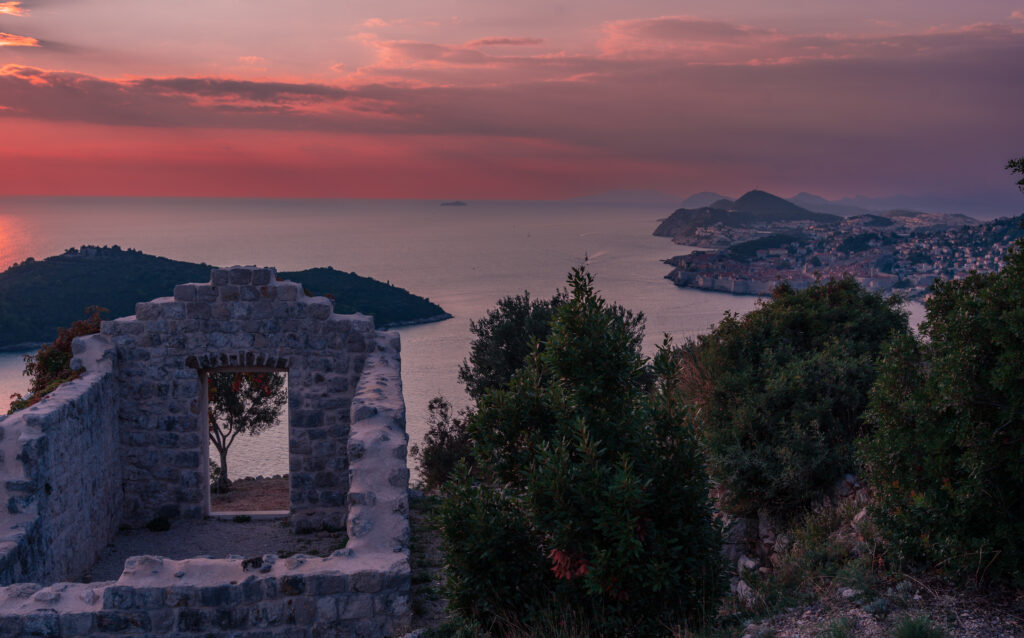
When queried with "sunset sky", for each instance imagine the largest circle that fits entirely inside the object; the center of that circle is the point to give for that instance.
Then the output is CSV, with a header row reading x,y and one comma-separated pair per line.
x,y
511,100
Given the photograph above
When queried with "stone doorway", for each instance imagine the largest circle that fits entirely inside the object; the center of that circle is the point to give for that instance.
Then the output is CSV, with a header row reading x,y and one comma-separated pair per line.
x,y
245,412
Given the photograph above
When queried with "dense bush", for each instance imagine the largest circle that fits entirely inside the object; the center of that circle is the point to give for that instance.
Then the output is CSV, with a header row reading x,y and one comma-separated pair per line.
x,y
51,365
946,459
504,338
588,492
445,444
780,392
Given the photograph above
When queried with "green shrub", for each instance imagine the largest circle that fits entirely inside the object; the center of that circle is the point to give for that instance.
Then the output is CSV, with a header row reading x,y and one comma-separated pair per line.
x,y
589,492
946,459
919,627
445,444
50,367
504,339
780,392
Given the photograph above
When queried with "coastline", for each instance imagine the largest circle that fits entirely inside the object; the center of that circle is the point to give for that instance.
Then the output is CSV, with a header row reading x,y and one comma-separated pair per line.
x,y
417,322
762,287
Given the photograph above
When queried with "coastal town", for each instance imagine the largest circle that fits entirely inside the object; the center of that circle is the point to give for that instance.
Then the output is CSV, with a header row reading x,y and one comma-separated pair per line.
x,y
895,251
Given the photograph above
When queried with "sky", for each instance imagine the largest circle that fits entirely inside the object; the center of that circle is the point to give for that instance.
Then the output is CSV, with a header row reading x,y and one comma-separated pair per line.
x,y
533,99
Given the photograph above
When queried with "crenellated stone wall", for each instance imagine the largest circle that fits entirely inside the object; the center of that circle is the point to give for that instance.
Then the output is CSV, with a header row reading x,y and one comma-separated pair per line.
x,y
244,318
128,441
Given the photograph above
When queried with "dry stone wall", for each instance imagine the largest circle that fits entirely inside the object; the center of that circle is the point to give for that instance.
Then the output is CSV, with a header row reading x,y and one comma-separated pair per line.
x,y
127,442
61,475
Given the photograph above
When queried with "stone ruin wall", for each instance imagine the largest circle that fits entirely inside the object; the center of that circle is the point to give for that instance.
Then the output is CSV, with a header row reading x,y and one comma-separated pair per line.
x,y
126,442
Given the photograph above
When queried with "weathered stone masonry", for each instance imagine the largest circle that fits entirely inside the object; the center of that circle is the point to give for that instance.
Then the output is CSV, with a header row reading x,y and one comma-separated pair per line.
x,y
128,441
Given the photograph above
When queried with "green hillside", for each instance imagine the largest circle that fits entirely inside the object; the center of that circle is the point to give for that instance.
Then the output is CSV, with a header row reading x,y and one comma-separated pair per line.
x,y
38,296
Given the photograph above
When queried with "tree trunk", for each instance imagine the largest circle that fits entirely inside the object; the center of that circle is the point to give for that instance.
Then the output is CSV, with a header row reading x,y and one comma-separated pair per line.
x,y
223,483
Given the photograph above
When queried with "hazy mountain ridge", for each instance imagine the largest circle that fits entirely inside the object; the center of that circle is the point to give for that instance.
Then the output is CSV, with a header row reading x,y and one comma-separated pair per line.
x,y
753,208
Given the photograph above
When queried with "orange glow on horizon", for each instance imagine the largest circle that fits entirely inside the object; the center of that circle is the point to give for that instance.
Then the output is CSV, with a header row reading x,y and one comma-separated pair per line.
x,y
11,40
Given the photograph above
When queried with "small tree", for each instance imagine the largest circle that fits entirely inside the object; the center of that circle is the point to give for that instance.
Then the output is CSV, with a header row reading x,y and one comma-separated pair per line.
x,y
589,492
241,403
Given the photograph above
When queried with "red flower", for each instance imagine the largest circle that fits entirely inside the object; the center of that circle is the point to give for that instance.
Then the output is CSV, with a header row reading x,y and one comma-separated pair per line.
x,y
566,566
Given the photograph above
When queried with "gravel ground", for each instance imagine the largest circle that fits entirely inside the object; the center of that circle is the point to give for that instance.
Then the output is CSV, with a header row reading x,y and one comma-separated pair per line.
x,y
218,539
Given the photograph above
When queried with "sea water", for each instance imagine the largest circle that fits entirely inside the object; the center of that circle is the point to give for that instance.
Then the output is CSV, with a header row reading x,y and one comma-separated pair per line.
x,y
463,258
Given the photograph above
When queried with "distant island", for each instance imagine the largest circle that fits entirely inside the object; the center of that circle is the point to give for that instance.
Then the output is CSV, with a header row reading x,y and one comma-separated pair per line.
x,y
457,202
761,239
38,296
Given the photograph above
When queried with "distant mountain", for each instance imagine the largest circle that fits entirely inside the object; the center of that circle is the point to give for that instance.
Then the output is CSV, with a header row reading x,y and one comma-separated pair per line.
x,y
37,297
982,206
725,203
755,207
819,204
770,207
703,199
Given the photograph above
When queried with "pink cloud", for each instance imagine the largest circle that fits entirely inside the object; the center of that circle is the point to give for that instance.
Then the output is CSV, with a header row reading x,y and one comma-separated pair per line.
x,y
930,109
11,40
500,41
12,9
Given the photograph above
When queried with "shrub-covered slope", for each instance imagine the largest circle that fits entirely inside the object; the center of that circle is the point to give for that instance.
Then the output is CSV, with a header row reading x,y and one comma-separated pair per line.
x,y
38,296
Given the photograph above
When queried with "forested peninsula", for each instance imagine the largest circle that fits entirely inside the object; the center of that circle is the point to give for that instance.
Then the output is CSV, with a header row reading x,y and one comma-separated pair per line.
x,y
38,296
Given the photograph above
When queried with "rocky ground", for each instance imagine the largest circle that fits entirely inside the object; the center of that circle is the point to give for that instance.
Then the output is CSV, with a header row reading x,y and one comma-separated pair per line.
x,y
215,538
253,495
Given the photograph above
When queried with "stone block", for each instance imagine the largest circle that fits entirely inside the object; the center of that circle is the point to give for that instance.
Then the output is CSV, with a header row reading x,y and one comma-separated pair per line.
x,y
288,291
241,276
118,597
206,293
193,620
355,606
292,585
220,595
71,624
219,276
43,623
147,311
263,276
184,292
304,609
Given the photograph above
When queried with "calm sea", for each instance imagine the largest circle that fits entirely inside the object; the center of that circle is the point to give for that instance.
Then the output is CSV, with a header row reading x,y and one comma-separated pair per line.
x,y
463,258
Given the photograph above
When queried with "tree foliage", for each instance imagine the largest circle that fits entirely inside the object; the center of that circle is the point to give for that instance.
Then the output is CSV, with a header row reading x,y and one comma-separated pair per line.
x,y
588,492
504,338
445,444
241,403
781,391
1016,167
946,459
51,365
